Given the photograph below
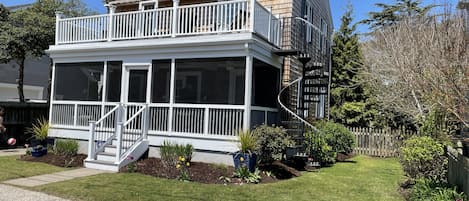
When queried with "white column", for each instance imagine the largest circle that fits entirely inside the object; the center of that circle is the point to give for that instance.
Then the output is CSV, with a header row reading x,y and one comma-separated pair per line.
x,y
58,15
248,93
175,18
52,91
270,24
251,14
112,10
171,95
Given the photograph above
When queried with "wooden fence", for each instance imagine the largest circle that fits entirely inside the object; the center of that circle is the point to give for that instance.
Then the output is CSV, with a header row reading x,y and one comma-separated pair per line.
x,y
19,116
379,142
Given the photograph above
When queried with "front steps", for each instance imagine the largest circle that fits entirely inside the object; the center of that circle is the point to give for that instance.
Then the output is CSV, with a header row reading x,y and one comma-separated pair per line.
x,y
106,159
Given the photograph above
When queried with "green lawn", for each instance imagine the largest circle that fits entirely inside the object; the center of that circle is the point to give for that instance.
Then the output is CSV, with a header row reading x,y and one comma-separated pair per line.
x,y
11,168
363,179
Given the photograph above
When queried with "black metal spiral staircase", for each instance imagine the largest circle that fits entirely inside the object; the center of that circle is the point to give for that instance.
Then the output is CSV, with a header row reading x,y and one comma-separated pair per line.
x,y
298,96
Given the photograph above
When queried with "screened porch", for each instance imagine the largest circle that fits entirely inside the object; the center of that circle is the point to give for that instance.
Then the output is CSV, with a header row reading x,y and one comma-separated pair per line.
x,y
199,97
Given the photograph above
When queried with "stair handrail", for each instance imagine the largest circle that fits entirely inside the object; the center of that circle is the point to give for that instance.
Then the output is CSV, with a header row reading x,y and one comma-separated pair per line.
x,y
121,129
92,149
279,99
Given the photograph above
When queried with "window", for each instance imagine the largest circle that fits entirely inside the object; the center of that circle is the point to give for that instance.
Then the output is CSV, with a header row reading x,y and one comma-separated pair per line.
x,y
161,81
114,80
79,81
148,5
210,81
309,18
324,35
265,84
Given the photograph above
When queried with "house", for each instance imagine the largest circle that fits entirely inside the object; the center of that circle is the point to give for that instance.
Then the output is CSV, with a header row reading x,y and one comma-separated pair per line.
x,y
189,72
36,78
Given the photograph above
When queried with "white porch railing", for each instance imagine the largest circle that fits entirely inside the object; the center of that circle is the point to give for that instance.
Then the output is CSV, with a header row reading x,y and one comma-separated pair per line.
x,y
103,131
203,120
206,18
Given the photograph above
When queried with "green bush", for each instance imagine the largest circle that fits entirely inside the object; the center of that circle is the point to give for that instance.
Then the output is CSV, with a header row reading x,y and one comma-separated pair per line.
x,y
248,176
428,190
66,147
423,157
271,142
317,147
337,136
171,153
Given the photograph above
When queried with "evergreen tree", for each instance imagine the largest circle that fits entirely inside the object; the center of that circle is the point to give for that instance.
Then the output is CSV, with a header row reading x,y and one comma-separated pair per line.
x,y
350,102
390,14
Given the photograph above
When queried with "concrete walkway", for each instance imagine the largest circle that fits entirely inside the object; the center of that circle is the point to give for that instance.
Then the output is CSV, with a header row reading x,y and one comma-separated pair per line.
x,y
12,152
9,193
54,177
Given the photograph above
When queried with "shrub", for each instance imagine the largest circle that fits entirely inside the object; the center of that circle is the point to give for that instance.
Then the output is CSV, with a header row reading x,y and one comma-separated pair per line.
x,y
171,153
271,142
337,136
426,189
39,129
249,177
317,147
423,157
247,142
66,147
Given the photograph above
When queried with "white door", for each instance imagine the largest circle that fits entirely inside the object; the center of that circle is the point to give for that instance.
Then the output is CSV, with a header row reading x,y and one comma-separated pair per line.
x,y
136,84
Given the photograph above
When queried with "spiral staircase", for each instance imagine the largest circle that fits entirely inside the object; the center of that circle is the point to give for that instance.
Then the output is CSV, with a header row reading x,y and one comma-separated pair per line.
x,y
297,98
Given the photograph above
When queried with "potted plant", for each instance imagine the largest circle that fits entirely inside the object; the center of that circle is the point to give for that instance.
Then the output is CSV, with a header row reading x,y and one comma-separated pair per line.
x,y
245,157
39,141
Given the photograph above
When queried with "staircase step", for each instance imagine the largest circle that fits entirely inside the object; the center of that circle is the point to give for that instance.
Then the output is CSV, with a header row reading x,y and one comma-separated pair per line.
x,y
314,93
101,165
316,85
310,101
316,77
289,130
292,122
313,67
105,156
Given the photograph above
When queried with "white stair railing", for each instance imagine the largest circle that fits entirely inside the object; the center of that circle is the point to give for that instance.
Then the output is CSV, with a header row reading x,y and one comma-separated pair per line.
x,y
103,131
294,112
132,131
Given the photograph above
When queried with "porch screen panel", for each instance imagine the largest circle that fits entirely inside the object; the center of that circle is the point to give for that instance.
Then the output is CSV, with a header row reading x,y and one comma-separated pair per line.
x,y
79,81
210,80
265,84
114,79
161,81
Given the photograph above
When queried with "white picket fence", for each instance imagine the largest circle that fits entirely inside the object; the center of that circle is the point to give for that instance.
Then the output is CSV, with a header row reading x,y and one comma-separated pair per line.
x,y
378,142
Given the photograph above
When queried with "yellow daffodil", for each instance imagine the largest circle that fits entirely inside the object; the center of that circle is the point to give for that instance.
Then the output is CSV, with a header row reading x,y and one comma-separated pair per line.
x,y
241,159
183,159
178,166
188,164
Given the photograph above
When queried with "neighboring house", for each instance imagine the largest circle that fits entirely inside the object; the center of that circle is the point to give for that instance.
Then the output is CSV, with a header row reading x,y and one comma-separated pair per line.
x,y
187,71
36,75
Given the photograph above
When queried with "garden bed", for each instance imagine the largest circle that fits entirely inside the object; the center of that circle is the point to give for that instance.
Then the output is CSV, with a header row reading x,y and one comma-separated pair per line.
x,y
57,160
203,172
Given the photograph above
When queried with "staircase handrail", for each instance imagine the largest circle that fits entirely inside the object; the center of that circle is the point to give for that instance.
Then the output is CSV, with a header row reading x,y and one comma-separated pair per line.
x,y
107,115
279,99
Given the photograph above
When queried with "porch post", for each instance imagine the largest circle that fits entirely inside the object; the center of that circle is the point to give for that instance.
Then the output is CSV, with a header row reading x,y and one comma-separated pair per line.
x,y
58,15
112,10
248,93
175,16
52,91
171,95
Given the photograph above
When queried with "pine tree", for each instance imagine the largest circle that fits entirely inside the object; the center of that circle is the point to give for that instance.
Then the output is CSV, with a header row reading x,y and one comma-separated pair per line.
x,y
350,104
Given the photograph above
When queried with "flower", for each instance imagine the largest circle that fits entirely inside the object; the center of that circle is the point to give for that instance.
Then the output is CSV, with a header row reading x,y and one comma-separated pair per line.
x,y
182,159
188,164
130,158
241,159
178,166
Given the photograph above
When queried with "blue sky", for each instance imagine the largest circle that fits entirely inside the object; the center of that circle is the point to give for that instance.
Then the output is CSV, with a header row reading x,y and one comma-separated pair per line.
x,y
361,7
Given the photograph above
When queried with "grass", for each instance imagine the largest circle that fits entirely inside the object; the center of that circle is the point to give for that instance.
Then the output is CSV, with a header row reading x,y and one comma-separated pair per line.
x,y
364,178
11,168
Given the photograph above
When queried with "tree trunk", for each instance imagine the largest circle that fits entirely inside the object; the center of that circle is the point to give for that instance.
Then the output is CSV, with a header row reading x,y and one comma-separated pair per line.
x,y
21,80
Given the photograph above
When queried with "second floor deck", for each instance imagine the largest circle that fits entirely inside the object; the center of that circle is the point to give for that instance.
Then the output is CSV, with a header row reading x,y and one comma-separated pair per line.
x,y
227,17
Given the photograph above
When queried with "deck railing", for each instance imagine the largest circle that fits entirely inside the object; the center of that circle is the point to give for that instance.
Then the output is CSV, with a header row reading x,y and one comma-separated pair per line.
x,y
201,120
207,18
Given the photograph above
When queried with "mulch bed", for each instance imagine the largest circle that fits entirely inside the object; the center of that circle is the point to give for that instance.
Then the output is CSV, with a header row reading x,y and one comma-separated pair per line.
x,y
203,172
57,160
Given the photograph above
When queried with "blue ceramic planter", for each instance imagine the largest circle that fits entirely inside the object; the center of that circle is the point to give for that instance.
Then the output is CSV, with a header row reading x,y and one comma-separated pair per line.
x,y
39,152
245,160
